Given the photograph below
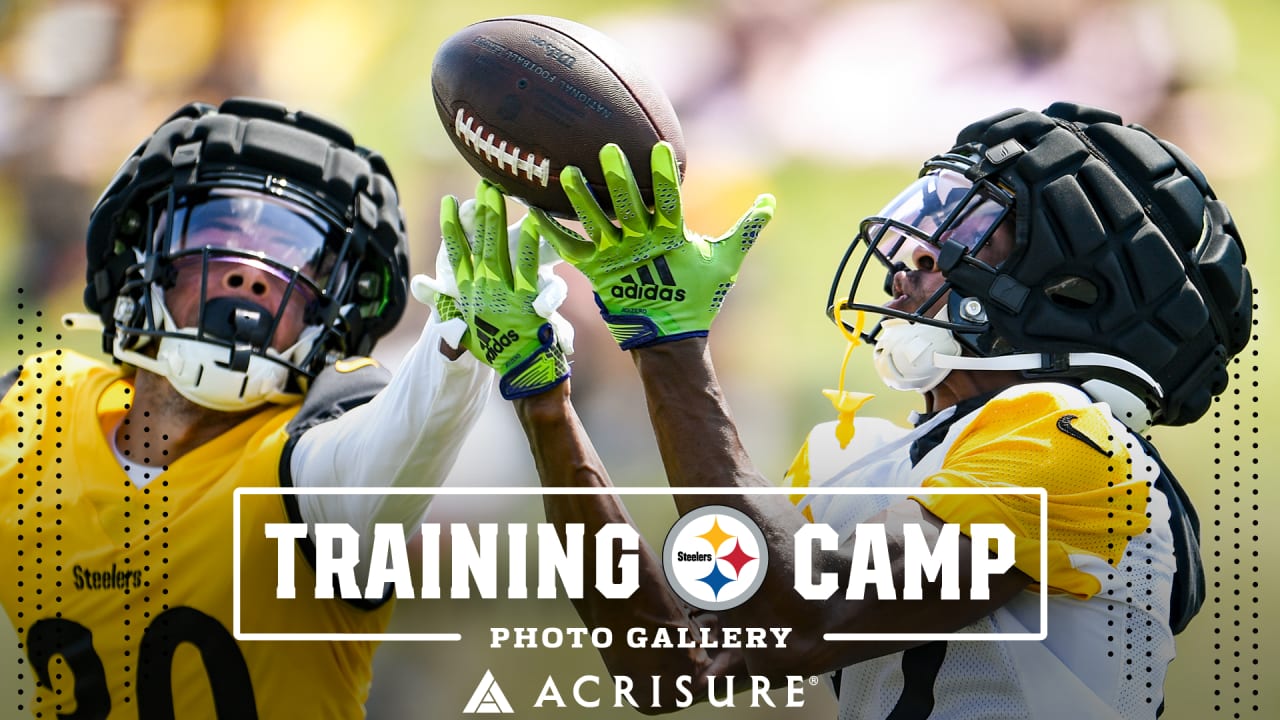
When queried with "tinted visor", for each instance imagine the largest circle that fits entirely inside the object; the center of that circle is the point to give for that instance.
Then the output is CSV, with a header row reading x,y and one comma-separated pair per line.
x,y
256,225
940,206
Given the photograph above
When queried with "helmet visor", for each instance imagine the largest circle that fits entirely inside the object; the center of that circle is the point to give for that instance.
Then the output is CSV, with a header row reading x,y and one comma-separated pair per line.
x,y
256,225
939,206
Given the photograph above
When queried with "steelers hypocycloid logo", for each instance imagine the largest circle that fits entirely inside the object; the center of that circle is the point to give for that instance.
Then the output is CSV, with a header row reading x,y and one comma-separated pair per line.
x,y
715,558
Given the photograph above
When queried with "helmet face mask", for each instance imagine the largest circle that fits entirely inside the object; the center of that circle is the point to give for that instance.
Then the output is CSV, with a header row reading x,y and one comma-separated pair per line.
x,y
243,248
291,261
241,269
230,300
941,211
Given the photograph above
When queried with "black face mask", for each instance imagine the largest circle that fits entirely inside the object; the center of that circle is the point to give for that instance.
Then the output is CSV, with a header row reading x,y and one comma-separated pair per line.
x,y
942,216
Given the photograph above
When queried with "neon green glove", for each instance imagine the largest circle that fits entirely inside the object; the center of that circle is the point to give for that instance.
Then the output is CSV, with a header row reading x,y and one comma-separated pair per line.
x,y
654,280
498,291
447,308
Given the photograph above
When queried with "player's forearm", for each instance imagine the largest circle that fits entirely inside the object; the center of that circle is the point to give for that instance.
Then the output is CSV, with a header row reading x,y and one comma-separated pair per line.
x,y
408,434
700,447
565,458
431,404
691,420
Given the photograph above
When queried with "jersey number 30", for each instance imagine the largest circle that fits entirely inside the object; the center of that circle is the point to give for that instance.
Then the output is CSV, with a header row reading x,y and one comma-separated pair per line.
x,y
224,665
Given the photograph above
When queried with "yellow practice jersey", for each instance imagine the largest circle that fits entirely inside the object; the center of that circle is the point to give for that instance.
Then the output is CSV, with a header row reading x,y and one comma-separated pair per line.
x,y
1109,557
122,598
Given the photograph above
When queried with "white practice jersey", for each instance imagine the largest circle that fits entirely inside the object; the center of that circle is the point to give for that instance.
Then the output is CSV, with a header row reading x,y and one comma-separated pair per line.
x,y
1110,558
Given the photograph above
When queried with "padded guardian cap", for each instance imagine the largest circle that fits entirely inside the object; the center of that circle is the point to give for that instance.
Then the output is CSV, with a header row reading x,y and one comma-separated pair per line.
x,y
1127,273
286,197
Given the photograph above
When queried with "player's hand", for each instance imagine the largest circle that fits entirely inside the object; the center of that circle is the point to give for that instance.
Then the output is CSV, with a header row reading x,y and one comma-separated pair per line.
x,y
655,281
507,295
440,293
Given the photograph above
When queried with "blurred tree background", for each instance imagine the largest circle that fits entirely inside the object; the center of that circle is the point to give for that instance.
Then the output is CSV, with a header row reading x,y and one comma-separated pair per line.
x,y
829,105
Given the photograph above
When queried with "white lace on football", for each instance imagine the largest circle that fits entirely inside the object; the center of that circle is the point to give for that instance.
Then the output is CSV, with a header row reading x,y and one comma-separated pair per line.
x,y
494,150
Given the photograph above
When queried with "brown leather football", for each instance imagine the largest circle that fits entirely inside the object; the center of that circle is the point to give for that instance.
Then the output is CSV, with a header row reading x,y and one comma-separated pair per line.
x,y
522,97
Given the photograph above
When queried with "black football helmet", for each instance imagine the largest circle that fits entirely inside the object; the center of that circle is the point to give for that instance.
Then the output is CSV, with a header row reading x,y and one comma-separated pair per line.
x,y
247,190
1126,273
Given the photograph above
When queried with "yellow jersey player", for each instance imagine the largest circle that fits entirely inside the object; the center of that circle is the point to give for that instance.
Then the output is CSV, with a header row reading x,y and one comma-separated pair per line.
x,y
241,264
1053,284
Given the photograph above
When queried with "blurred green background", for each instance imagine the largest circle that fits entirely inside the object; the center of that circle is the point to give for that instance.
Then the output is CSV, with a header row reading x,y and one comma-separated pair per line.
x,y
831,106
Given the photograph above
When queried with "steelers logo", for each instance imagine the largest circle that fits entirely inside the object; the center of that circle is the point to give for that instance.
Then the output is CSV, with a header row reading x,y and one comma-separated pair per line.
x,y
715,558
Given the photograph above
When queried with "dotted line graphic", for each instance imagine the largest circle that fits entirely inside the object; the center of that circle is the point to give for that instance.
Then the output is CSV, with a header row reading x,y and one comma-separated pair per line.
x,y
1234,565
29,335
52,579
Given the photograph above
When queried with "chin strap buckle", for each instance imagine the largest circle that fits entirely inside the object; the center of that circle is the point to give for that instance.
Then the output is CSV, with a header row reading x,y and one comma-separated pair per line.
x,y
1051,363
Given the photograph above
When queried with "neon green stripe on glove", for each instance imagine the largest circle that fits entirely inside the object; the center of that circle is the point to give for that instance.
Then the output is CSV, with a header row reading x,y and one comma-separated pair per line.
x,y
654,280
498,296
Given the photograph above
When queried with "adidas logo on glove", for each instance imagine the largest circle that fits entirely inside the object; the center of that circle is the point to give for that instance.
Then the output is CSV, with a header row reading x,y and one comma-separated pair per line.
x,y
647,288
493,340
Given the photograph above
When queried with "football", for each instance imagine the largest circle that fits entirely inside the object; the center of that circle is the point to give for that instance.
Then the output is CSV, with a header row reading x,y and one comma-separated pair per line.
x,y
522,97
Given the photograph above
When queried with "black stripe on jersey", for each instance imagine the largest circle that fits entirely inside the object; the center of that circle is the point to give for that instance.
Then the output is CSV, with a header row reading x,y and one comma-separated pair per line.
x,y
930,440
305,544
331,394
920,666
1188,577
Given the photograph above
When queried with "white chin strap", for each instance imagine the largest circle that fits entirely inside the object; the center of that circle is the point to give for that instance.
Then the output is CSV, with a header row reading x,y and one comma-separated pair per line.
x,y
915,356
906,353
200,371
1126,406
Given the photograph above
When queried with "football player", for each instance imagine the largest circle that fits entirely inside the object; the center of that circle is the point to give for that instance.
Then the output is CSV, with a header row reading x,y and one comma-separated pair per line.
x,y
241,265
1053,284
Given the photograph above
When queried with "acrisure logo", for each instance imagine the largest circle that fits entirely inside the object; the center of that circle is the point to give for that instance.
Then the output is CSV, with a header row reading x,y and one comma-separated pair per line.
x,y
715,558
488,698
